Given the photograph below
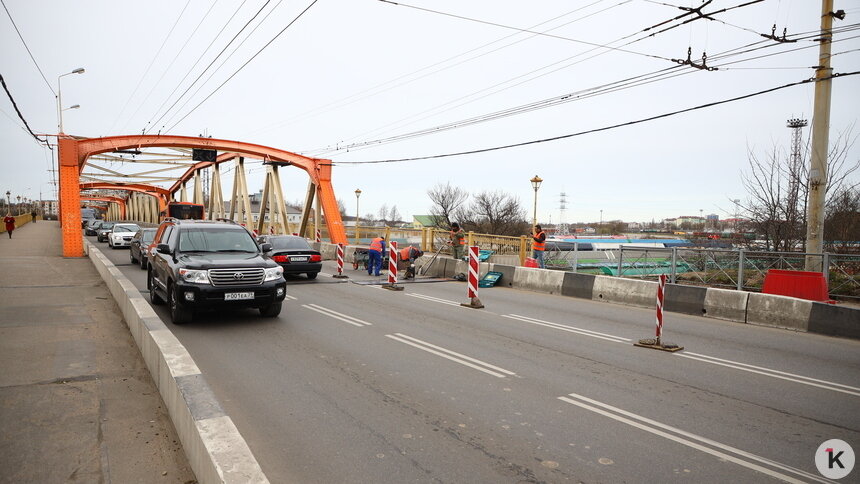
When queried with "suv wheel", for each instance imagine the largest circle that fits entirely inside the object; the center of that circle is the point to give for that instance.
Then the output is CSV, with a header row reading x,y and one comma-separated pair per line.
x,y
143,262
312,275
153,294
178,314
131,256
271,311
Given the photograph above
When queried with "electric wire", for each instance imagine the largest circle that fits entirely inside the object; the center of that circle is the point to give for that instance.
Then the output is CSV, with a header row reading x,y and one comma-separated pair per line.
x,y
212,62
604,128
191,69
157,53
245,64
28,48
18,111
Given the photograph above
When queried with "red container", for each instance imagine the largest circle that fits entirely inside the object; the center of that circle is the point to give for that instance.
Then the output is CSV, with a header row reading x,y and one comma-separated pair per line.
x,y
799,284
531,262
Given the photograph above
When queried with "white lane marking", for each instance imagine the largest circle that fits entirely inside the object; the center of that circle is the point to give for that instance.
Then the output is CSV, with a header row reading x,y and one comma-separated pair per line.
x,y
583,402
291,298
434,299
772,373
336,315
451,355
570,329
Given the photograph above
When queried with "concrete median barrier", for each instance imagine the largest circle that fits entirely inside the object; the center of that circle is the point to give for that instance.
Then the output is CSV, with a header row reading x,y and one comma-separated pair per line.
x,y
726,304
685,299
539,280
507,279
215,449
630,292
578,285
778,311
834,320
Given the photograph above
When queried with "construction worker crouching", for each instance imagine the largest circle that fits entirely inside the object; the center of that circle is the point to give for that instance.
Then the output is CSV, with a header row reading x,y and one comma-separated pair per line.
x,y
408,256
539,245
458,240
375,255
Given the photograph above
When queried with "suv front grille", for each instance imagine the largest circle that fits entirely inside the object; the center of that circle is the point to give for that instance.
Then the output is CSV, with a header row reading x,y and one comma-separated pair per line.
x,y
236,277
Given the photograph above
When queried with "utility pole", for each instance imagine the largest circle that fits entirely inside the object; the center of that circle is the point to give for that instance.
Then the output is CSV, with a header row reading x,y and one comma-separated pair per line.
x,y
820,140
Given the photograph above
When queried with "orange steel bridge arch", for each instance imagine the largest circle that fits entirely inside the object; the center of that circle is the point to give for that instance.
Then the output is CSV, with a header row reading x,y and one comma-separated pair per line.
x,y
160,194
73,154
117,200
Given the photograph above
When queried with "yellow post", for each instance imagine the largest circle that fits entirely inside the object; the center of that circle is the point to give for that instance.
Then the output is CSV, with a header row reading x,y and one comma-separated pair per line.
x,y
523,246
470,239
387,235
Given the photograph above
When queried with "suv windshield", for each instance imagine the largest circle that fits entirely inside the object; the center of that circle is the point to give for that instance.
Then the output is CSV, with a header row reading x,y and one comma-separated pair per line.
x,y
289,243
106,225
216,240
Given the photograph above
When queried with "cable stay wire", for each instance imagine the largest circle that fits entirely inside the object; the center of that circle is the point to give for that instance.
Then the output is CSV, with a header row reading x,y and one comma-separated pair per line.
x,y
157,53
191,69
245,64
28,48
471,19
15,105
597,130
167,69
393,83
221,65
210,64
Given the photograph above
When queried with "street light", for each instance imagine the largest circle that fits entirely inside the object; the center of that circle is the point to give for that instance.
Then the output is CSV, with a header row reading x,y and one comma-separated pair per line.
x,y
536,181
9,201
79,70
19,204
357,194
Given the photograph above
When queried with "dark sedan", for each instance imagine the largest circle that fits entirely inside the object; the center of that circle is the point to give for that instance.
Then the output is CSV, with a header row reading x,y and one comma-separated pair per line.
x,y
92,227
103,230
139,247
294,254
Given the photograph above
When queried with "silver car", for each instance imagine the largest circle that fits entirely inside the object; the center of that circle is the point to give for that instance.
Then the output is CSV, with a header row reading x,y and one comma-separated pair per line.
x,y
121,234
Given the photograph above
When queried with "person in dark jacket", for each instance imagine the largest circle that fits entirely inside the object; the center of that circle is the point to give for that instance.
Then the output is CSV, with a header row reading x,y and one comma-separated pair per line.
x,y
10,223
539,244
375,255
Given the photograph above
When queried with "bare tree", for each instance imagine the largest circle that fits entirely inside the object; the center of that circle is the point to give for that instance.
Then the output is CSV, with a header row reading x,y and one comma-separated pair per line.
x,y
496,213
448,204
341,207
393,214
842,221
777,189
383,213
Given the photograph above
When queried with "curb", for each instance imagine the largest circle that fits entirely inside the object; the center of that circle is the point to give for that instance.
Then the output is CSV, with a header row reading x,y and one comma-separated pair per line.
x,y
215,449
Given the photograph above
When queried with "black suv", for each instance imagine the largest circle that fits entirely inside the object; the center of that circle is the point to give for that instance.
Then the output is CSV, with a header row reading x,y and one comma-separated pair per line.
x,y
199,264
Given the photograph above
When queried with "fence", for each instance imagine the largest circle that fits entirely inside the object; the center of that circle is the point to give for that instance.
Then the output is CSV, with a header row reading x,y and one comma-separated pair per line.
x,y
734,269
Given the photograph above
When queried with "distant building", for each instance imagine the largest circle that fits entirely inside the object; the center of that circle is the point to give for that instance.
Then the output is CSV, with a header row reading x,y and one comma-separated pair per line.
x,y
712,217
421,221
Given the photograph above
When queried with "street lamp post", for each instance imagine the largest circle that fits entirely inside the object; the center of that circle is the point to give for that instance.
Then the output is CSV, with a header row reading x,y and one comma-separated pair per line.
x,y
357,194
9,202
536,181
19,204
601,219
79,70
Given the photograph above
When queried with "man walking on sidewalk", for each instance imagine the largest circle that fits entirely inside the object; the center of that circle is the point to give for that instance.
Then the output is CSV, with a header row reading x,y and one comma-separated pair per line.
x,y
10,223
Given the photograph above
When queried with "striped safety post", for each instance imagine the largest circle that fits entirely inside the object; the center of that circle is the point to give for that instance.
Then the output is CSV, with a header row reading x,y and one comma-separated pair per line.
x,y
392,268
472,293
319,235
340,274
657,343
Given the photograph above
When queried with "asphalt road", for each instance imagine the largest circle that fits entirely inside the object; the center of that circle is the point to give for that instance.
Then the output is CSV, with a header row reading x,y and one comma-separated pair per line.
x,y
354,383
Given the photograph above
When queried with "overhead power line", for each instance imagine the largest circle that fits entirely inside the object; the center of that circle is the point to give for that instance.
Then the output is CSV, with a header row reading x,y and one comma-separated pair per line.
x,y
245,64
28,48
15,105
596,130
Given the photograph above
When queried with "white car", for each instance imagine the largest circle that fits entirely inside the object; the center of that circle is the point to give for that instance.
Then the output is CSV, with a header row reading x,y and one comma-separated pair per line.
x,y
121,234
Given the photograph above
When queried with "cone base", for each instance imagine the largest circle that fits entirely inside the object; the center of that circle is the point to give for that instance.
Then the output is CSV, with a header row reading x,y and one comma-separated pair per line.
x,y
475,303
392,287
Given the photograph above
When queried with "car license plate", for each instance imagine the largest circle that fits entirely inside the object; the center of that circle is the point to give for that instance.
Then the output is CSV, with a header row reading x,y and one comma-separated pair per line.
x,y
238,296
299,259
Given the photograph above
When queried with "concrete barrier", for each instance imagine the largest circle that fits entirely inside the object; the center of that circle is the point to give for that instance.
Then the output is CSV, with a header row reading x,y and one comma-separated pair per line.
x,y
630,292
578,285
540,280
507,279
778,311
726,304
215,449
834,320
685,299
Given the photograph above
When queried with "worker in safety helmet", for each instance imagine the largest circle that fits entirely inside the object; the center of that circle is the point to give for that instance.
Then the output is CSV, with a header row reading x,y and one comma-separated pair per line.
x,y
539,244
458,240
409,254
375,255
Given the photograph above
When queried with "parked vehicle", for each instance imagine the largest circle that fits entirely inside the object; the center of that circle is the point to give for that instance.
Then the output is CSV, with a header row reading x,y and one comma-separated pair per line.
x,y
103,230
121,234
92,226
139,247
203,264
185,211
294,254
87,214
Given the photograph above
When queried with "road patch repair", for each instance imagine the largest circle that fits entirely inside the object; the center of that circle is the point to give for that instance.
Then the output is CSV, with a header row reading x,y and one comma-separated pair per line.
x,y
215,449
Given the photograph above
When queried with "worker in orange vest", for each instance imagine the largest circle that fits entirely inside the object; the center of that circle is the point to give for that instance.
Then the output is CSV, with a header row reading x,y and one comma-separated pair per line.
x,y
375,255
409,254
539,244
458,240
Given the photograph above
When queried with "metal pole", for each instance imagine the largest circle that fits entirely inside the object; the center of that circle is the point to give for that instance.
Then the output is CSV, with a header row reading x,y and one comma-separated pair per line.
x,y
534,213
674,264
820,135
620,259
826,268
575,256
740,270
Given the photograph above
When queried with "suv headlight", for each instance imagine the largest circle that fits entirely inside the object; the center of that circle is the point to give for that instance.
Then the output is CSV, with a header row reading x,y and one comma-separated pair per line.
x,y
195,276
273,273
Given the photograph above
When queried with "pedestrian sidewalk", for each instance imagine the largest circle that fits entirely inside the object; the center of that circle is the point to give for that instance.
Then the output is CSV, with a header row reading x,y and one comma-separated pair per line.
x,y
77,402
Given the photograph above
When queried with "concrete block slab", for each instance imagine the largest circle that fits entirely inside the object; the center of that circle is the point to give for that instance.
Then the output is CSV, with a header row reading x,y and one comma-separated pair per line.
x,y
778,311
538,280
631,292
178,359
726,304
685,299
834,320
578,285
199,397
507,279
232,458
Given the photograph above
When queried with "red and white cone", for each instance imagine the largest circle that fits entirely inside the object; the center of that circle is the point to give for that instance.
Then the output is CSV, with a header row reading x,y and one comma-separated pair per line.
x,y
657,343
392,268
340,274
472,293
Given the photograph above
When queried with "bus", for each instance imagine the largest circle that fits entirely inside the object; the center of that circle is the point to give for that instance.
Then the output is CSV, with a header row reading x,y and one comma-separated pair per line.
x,y
185,211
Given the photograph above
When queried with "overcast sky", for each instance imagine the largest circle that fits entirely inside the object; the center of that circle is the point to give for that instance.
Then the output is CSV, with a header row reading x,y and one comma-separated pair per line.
x,y
353,71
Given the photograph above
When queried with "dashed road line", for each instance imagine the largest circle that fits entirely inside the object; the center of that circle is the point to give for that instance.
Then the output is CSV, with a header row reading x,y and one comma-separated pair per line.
x,y
569,329
336,315
290,298
434,299
451,355
722,451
